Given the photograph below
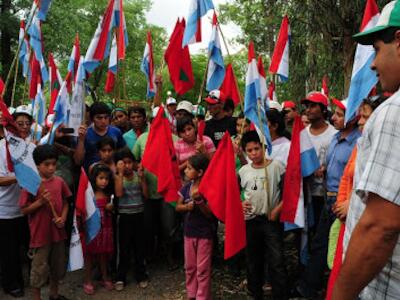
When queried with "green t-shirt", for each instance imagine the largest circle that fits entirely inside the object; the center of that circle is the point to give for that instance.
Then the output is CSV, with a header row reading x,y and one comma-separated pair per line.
x,y
151,180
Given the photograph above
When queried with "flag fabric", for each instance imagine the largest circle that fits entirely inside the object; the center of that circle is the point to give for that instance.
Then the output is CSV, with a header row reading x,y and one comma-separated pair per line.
x,y
35,77
55,82
271,92
61,111
75,260
230,86
178,61
24,167
216,67
263,82
220,188
159,157
43,7
2,86
73,63
112,67
101,51
197,9
91,63
325,88
147,67
280,58
39,107
120,23
302,162
253,99
363,79
86,208
24,52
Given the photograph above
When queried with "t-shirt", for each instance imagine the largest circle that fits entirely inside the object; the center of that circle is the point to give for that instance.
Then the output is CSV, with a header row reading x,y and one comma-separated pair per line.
x,y
9,195
131,201
131,137
184,150
151,180
280,150
196,224
41,226
252,181
215,129
91,140
321,144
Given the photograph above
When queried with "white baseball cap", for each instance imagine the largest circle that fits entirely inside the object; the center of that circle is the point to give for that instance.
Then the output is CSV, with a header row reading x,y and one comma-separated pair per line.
x,y
185,105
171,100
24,109
275,105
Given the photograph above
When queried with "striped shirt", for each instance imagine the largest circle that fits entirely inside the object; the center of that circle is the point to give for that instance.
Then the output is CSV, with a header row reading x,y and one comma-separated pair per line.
x,y
378,171
131,201
184,150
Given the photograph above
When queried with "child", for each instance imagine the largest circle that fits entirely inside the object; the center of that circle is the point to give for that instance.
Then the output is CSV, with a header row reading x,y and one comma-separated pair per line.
x,y
189,143
199,230
105,150
101,247
47,213
131,190
262,206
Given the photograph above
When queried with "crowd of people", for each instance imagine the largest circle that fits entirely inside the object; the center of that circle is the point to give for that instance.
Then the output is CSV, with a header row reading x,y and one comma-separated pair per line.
x,y
352,200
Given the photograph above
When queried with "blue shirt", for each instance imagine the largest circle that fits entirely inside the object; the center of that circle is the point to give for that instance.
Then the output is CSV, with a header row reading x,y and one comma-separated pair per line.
x,y
339,152
91,140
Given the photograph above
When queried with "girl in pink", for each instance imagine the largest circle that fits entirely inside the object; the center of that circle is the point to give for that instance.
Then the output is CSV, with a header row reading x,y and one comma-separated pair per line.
x,y
199,231
101,248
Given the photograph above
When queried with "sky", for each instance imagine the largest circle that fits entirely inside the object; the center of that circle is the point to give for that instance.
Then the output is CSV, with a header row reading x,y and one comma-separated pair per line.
x,y
164,13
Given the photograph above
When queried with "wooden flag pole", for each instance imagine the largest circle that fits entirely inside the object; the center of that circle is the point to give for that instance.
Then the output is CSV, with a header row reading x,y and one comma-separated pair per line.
x,y
203,82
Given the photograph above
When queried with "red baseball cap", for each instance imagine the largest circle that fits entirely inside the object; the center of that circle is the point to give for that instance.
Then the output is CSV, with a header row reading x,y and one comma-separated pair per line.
x,y
341,104
215,97
288,104
316,97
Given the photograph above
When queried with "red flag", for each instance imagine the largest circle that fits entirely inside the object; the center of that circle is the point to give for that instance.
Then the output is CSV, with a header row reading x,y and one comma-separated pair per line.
x,y
337,263
200,130
229,86
159,157
105,32
35,77
73,64
110,82
121,32
55,84
325,89
9,124
221,189
178,61
2,86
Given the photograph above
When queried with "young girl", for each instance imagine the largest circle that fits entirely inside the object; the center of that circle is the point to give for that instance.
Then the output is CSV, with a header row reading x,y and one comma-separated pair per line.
x,y
199,230
105,149
101,248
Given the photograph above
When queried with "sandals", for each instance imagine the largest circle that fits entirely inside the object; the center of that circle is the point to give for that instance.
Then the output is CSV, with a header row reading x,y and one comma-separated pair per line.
x,y
108,285
88,288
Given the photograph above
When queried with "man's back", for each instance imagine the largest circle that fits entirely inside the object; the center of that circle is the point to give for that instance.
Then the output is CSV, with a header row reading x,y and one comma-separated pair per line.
x,y
215,129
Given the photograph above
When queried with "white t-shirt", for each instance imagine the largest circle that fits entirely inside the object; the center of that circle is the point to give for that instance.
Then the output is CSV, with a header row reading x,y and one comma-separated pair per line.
x,y
9,195
252,181
280,150
321,144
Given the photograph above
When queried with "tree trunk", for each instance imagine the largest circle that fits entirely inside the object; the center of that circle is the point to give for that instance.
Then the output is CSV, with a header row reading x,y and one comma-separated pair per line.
x,y
5,42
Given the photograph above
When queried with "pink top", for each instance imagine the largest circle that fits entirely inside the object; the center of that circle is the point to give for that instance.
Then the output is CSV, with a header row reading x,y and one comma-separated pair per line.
x,y
184,150
41,226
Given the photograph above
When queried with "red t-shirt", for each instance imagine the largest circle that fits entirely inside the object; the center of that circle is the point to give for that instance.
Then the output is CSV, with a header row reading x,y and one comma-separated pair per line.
x,y
42,228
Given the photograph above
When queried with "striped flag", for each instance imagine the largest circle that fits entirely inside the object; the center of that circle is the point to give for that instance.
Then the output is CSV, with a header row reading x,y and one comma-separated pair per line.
x,y
55,82
216,67
39,107
24,52
147,67
73,63
112,68
61,111
120,23
263,82
363,79
197,9
280,58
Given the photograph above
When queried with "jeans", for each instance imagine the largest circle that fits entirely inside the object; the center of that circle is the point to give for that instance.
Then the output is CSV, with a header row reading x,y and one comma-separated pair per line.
x,y
312,278
265,243
131,237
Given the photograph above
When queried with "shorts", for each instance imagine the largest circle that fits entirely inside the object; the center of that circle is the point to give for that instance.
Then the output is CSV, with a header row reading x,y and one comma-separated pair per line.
x,y
48,261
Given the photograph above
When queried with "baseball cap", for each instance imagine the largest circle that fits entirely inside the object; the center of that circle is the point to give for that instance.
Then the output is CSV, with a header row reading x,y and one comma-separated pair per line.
x,y
390,17
171,100
215,96
315,97
341,104
185,105
275,105
24,109
288,104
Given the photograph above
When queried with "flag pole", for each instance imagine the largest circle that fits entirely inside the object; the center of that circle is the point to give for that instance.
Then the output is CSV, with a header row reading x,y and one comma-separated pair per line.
x,y
15,83
204,81
264,139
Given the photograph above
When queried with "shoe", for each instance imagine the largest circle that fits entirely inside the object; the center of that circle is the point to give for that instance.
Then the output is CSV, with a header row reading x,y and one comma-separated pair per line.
x,y
295,294
143,284
88,288
119,286
108,285
267,289
59,297
16,293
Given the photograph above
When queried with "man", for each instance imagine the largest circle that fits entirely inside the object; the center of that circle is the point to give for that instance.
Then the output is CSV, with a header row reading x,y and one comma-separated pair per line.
x,y
338,154
120,119
371,266
171,111
219,122
321,134
290,111
138,120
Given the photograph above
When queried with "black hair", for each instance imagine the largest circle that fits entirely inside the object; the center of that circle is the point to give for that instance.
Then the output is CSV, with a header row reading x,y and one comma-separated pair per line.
x,y
181,123
105,141
250,136
229,105
374,101
19,114
137,109
102,168
44,152
387,35
275,117
99,108
199,162
119,109
241,116
123,153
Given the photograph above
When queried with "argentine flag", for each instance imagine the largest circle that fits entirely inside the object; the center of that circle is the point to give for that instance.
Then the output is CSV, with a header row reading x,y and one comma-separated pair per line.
x,y
197,9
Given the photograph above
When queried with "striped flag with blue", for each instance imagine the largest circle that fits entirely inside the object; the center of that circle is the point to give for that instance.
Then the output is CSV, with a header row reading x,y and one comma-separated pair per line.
x,y
197,9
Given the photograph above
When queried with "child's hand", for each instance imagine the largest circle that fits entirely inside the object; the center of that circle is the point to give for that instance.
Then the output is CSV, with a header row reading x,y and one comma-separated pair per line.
x,y
109,207
200,147
82,132
60,222
120,167
274,214
190,206
247,206
45,197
